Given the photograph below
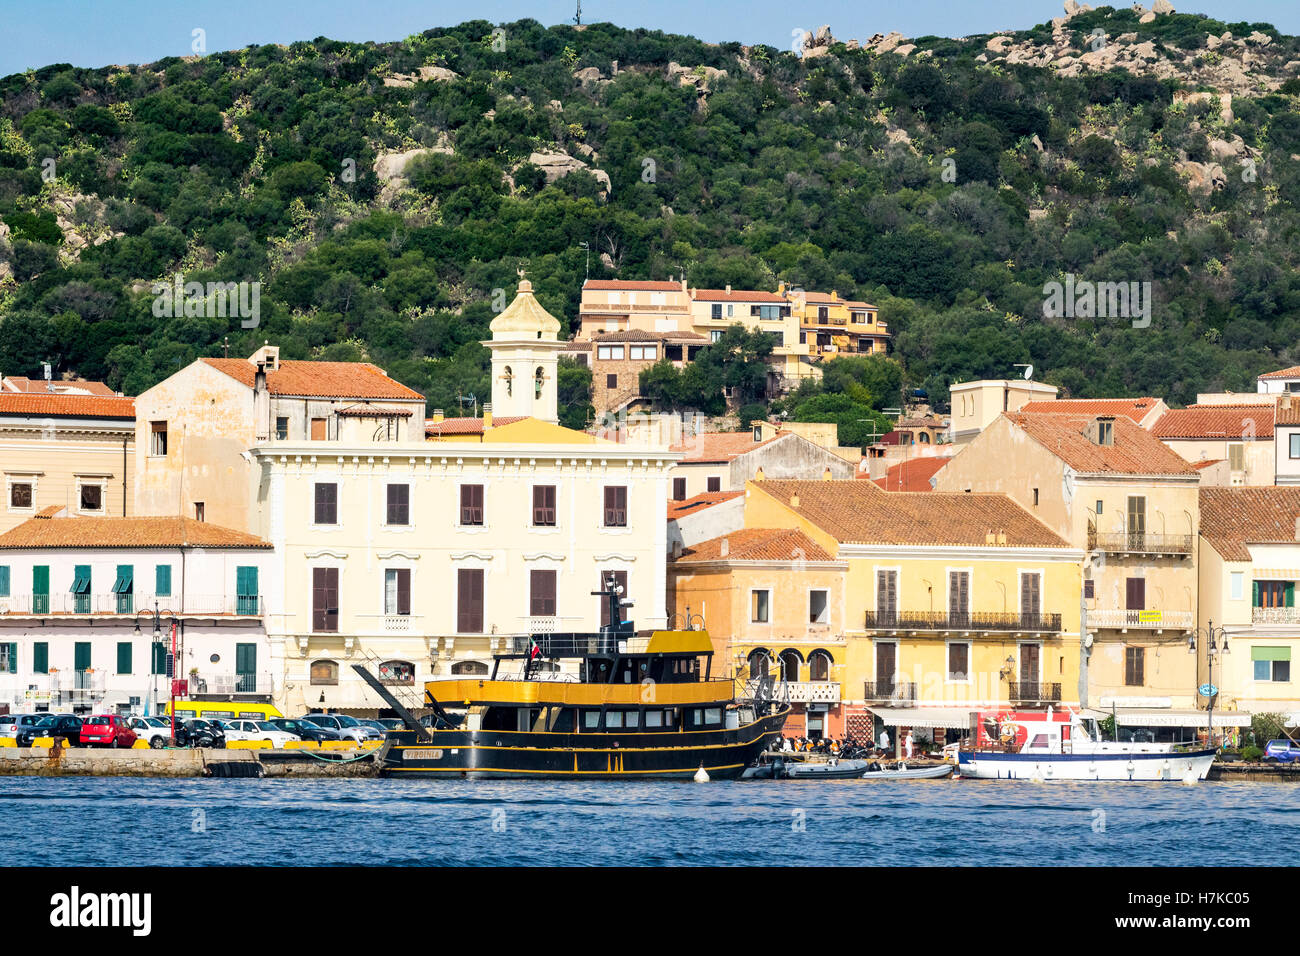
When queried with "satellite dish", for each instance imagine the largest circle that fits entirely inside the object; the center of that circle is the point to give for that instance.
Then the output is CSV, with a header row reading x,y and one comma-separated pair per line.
x,y
1029,372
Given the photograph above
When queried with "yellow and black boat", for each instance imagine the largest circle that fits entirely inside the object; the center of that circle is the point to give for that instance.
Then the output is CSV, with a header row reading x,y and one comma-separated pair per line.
x,y
641,706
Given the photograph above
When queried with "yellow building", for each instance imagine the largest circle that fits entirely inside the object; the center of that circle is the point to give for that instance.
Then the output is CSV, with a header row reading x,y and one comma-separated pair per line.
x,y
1250,563
1113,490
773,601
953,602
830,326
76,452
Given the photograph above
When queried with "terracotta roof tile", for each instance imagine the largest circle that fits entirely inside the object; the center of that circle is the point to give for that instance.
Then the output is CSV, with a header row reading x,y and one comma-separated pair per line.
x,y
860,513
66,406
75,386
706,499
143,532
1292,372
319,379
912,475
757,544
632,285
640,335
736,295
719,446
1234,422
1133,408
374,411
1287,410
1231,518
1135,450
467,426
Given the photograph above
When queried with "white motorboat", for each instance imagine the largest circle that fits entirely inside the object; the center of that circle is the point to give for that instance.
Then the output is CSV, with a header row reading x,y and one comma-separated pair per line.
x,y
1062,746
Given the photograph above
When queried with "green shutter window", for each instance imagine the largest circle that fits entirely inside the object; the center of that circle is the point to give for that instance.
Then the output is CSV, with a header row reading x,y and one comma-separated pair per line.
x,y
124,657
246,668
1254,594
246,591
1290,593
12,664
163,581
159,663
124,588
4,580
81,589
41,589
81,656
41,657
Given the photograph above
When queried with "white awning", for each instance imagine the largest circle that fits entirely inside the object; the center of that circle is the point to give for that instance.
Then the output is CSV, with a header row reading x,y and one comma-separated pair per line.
x,y
1171,717
946,717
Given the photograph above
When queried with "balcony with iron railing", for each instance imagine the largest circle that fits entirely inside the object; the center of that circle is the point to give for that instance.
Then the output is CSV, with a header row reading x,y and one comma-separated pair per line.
x,y
129,605
1156,620
1135,543
1034,692
876,691
938,621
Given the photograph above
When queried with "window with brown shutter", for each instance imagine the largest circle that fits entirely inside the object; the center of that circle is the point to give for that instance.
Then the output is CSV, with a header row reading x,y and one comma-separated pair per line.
x,y
1135,594
399,504
1089,589
886,597
679,489
715,483
616,506
620,578
469,599
611,381
959,596
471,505
327,502
544,506
318,429
1134,666
325,599
397,591
1031,599
542,594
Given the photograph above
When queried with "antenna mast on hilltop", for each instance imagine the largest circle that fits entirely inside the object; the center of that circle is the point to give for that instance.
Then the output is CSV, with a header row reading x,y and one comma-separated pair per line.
x,y
577,17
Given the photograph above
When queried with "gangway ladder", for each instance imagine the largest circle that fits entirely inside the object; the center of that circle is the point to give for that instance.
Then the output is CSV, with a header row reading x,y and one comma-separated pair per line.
x,y
408,718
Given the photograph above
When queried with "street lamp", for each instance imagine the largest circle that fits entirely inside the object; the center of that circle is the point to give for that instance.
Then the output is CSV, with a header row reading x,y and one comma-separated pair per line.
x,y
587,246
1216,643
158,640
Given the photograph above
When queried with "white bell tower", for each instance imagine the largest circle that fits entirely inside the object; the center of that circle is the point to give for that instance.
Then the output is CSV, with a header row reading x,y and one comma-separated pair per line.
x,y
525,348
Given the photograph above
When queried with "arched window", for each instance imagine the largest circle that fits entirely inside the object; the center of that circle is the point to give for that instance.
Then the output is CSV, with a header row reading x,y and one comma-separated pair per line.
x,y
539,378
469,668
819,666
510,380
324,672
925,438
758,661
790,661
397,672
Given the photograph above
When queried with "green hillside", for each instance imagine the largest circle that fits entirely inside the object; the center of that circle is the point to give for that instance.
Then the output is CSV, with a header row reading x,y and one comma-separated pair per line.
x,y
732,165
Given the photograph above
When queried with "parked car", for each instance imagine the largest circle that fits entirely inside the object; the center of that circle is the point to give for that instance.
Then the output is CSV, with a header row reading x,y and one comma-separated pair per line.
x,y
376,725
197,732
348,728
392,723
65,727
258,730
156,731
106,730
304,729
1282,751
12,724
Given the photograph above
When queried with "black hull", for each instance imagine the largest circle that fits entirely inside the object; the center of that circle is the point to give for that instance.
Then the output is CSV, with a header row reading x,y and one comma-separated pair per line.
x,y
491,754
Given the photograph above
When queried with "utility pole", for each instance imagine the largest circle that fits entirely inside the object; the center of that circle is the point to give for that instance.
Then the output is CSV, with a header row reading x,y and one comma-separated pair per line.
x,y
577,17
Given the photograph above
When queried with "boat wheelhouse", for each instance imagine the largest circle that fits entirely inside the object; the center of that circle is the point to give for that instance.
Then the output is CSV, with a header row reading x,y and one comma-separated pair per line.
x,y
641,705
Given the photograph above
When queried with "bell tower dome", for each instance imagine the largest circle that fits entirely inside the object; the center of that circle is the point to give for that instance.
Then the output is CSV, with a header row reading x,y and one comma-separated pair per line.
x,y
525,348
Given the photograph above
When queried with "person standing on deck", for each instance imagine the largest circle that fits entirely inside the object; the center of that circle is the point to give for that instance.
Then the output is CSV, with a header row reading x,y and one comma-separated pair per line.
x,y
908,743
884,740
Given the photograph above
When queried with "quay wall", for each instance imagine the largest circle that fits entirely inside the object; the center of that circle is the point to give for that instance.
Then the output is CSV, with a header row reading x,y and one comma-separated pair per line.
x,y
81,762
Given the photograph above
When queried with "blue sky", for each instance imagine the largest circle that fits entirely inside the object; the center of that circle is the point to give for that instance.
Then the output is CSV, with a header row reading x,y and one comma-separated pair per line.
x,y
100,32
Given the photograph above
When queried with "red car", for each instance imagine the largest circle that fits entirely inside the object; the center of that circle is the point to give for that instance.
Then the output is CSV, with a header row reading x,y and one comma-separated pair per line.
x,y
107,730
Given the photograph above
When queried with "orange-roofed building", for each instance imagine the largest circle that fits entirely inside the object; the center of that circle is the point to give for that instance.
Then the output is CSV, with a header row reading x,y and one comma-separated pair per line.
x,y
954,602
724,461
1143,411
1241,435
1116,492
68,450
77,603
914,474
773,601
195,428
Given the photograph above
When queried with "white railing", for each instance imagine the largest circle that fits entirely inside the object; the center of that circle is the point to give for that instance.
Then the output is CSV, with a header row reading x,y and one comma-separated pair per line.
x,y
548,624
131,605
1275,615
397,623
1152,620
70,681
227,684
814,692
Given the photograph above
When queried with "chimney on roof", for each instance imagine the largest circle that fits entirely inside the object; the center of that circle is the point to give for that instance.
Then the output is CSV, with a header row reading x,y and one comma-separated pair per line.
x,y
1002,537
794,501
728,288
261,404
487,415
989,537
826,475
268,355
725,548
438,416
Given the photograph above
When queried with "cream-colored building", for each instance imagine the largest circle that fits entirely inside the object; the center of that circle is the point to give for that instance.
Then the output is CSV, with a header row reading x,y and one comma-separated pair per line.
x,y
194,430
1239,437
421,559
977,405
75,452
1114,491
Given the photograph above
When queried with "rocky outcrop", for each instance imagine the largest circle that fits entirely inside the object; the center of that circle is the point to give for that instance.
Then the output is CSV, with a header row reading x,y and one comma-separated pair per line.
x,y
818,43
436,74
701,77
556,166
1202,177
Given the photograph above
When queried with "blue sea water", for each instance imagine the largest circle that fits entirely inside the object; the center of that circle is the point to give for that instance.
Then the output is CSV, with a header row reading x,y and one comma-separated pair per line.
x,y
106,821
